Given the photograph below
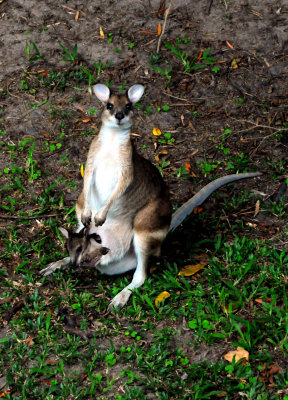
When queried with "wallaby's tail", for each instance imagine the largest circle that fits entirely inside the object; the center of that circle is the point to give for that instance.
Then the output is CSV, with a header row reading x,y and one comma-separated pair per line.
x,y
188,207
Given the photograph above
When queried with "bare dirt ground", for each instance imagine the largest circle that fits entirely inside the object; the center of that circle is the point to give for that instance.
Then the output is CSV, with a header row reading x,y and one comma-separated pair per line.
x,y
202,104
237,101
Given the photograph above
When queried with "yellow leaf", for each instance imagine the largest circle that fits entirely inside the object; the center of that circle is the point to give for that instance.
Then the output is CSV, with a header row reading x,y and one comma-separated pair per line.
x,y
161,297
234,63
159,29
239,353
191,269
82,170
156,132
102,33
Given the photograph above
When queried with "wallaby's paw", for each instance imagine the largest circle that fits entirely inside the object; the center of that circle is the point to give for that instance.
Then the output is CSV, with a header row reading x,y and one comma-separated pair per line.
x,y
120,299
86,219
99,219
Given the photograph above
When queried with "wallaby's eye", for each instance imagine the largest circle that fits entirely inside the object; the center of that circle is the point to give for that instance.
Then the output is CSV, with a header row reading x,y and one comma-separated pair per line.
x,y
128,106
78,250
110,106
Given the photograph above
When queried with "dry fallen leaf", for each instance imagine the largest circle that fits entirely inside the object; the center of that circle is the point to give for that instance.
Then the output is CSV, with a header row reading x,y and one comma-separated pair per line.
x,y
191,269
161,297
101,33
156,132
86,120
4,394
234,63
226,308
239,353
188,166
259,301
257,208
82,170
159,29
29,341
230,45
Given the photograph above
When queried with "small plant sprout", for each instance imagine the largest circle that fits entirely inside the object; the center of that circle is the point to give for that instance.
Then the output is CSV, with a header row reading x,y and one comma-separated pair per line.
x,y
30,165
166,139
70,57
109,37
37,55
166,72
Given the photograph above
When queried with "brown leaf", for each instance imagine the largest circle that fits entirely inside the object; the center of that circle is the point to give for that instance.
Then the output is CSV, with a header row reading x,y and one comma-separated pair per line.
x,y
77,15
29,341
148,32
257,208
230,45
239,354
85,120
159,29
16,307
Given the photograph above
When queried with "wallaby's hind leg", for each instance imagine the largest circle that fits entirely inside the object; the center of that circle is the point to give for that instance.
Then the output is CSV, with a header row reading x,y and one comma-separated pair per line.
x,y
55,265
145,244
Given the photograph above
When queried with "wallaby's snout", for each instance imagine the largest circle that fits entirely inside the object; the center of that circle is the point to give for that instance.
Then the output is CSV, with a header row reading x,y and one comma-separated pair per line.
x,y
119,115
105,250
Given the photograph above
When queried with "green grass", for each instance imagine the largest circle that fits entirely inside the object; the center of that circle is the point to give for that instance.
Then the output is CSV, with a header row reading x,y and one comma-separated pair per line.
x,y
239,299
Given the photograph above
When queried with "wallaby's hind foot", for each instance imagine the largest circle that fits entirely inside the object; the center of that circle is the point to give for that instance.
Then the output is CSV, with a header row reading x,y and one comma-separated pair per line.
x,y
54,266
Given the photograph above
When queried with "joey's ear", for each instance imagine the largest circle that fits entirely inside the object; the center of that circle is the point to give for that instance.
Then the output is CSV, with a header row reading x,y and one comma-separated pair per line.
x,y
95,236
64,232
135,93
102,92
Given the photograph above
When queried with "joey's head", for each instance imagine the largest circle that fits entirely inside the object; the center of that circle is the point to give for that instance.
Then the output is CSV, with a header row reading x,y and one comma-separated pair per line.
x,y
84,247
118,110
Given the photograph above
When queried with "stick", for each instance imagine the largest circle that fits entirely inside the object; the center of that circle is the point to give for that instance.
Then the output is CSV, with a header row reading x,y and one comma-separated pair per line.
x,y
32,217
164,26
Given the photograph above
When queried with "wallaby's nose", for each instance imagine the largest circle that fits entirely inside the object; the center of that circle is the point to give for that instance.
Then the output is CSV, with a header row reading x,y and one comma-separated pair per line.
x,y
105,250
119,115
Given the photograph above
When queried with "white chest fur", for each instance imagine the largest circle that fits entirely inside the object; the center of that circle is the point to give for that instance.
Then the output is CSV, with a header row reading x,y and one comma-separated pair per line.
x,y
107,164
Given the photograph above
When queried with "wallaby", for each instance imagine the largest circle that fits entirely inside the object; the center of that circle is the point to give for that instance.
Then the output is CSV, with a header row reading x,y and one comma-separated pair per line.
x,y
124,198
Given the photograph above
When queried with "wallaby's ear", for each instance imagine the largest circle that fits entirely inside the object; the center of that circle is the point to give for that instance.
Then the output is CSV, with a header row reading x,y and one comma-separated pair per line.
x,y
95,236
135,93
102,92
64,232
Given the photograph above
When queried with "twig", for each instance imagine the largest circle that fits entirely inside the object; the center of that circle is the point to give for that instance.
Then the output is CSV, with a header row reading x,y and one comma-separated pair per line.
x,y
209,7
31,217
180,98
164,26
255,125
